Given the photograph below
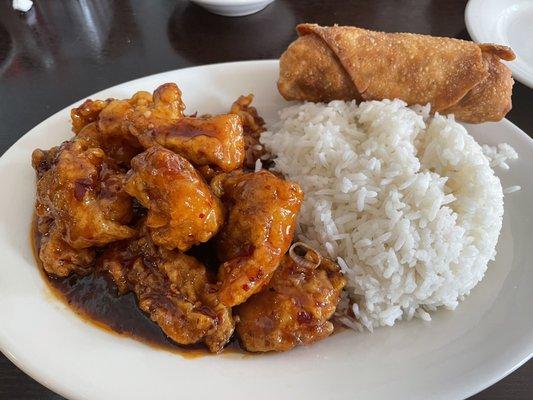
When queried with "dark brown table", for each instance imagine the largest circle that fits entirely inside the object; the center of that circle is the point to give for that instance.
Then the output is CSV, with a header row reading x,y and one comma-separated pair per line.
x,y
62,51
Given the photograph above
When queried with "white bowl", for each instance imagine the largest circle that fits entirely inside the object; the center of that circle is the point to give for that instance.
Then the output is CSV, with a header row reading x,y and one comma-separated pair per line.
x,y
233,8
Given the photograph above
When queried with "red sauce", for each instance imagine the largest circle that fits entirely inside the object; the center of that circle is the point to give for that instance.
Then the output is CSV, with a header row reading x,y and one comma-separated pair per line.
x,y
186,129
94,298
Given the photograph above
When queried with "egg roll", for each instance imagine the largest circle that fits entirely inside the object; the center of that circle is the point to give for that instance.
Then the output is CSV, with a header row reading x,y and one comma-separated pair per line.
x,y
347,63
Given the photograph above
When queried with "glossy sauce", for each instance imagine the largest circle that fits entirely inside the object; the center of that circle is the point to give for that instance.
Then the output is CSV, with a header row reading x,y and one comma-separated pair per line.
x,y
185,128
188,128
94,298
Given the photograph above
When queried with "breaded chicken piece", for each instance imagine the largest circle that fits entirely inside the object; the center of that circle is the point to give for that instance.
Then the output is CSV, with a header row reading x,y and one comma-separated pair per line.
x,y
208,141
60,259
182,210
81,190
261,223
173,289
294,308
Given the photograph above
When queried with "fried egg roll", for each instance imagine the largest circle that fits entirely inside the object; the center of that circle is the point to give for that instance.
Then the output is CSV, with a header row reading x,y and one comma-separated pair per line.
x,y
348,63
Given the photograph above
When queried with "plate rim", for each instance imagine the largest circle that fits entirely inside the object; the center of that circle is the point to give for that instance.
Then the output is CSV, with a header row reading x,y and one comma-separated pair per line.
x,y
56,385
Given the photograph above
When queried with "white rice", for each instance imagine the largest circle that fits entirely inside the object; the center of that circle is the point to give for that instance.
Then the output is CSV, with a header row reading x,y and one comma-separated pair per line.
x,y
498,155
408,204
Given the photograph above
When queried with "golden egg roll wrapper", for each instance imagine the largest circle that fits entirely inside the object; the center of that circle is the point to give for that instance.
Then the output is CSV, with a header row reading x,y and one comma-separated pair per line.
x,y
345,63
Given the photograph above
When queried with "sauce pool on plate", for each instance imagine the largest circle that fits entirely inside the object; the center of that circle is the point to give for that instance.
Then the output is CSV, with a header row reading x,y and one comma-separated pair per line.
x,y
94,298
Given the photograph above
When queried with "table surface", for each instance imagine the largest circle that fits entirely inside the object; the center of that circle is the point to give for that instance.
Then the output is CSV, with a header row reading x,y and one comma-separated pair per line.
x,y
62,51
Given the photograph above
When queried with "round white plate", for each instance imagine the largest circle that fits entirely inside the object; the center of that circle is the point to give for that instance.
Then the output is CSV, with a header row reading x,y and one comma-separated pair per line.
x,y
457,354
507,22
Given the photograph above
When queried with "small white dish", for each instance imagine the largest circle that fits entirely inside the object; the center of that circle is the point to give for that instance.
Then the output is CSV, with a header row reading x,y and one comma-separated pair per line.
x,y
507,22
452,357
233,8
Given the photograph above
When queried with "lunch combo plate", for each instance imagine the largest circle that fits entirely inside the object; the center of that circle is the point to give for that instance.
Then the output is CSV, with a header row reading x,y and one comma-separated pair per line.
x,y
453,356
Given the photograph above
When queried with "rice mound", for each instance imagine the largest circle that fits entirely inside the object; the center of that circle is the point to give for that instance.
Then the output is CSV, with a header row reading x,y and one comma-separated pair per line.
x,y
406,203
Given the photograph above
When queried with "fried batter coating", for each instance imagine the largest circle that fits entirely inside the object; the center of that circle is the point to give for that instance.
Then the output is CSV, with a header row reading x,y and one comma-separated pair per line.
x,y
253,125
208,141
112,127
123,128
60,259
149,112
214,141
182,210
113,124
42,160
251,121
294,308
81,190
173,289
86,113
260,228
350,63
121,148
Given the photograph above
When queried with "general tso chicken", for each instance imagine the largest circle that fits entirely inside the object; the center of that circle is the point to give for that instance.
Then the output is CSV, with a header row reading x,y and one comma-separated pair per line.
x,y
174,210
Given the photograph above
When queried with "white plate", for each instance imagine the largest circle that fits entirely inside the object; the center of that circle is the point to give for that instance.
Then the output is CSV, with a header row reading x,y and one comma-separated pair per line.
x,y
508,22
457,354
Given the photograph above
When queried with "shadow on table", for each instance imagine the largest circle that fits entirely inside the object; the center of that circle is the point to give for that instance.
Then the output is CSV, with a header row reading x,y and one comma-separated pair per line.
x,y
204,38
